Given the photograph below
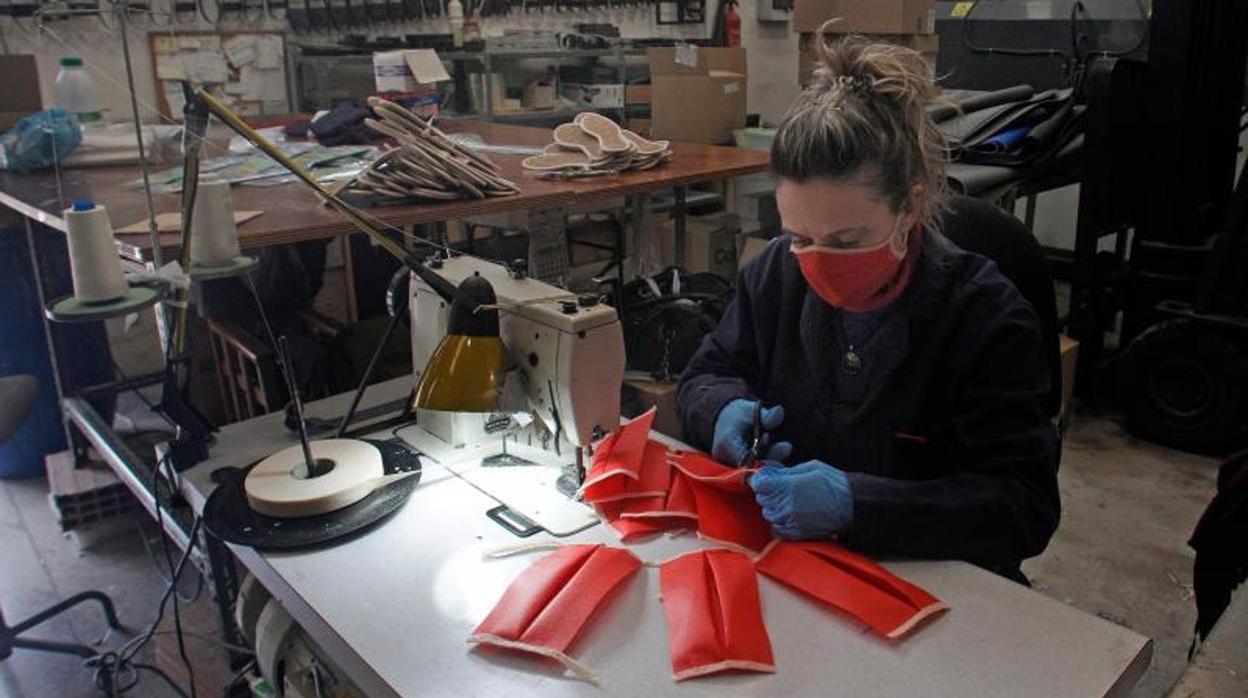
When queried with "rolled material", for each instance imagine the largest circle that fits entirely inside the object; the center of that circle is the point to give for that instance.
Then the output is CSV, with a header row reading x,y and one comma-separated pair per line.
x,y
93,259
276,487
214,239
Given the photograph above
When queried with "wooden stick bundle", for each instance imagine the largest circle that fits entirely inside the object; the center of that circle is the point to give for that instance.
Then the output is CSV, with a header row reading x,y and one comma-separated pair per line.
x,y
426,163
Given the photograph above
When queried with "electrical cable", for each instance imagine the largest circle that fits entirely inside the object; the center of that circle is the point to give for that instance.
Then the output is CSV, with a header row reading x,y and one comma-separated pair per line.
x,y
160,571
164,540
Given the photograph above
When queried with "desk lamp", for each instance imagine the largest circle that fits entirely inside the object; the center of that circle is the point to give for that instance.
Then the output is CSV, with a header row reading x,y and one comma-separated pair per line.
x,y
467,368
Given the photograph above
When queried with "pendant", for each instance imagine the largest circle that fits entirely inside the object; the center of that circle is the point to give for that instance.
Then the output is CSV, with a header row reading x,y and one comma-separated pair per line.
x,y
852,362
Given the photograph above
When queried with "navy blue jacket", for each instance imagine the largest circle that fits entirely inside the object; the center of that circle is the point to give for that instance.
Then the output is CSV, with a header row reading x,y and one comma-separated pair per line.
x,y
942,429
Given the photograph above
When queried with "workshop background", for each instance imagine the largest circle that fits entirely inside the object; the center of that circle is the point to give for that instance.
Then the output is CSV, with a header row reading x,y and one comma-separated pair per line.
x,y
1151,300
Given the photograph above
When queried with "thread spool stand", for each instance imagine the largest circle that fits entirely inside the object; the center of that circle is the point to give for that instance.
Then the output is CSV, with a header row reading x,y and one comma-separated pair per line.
x,y
100,290
240,264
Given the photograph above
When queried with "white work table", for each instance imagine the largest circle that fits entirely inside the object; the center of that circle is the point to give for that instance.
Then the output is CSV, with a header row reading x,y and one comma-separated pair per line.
x,y
394,606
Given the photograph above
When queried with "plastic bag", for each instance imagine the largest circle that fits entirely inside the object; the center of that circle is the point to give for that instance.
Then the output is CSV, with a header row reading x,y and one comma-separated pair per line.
x,y
40,140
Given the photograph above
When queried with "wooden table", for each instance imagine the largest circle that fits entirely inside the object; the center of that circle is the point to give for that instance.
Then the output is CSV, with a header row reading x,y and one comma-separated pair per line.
x,y
293,213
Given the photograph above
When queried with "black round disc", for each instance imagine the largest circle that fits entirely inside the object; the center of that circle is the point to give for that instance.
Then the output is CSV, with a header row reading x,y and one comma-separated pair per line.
x,y
228,516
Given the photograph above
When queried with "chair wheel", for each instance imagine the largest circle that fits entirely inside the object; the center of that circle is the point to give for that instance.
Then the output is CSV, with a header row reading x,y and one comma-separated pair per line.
x,y
1185,385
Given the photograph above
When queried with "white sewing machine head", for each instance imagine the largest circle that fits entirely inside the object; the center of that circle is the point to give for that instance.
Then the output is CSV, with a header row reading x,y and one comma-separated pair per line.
x,y
567,357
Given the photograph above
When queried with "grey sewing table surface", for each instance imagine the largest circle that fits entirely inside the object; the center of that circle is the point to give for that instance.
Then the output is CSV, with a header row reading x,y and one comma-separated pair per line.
x,y
393,607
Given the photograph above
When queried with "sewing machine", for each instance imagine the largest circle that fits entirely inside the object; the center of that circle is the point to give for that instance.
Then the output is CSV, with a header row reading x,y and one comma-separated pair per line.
x,y
560,395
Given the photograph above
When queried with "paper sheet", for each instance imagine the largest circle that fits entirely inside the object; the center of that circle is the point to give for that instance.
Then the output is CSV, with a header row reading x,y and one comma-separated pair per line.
x,y
169,67
173,95
269,52
687,55
206,67
240,50
171,222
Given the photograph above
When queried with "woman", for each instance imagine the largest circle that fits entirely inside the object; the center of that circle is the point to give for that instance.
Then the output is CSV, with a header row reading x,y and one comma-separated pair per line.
x,y
904,378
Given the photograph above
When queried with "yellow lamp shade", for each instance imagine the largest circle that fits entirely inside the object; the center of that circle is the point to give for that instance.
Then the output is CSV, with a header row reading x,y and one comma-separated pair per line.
x,y
463,375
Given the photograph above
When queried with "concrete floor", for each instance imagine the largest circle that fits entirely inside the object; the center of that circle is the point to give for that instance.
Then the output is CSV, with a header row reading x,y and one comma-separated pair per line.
x,y
1120,553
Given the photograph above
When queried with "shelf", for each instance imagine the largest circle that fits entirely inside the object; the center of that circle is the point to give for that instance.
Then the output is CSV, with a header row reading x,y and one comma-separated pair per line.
x,y
548,113
565,53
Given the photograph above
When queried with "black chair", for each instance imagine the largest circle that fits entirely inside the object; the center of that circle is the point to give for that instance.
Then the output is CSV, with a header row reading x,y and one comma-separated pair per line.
x,y
17,396
978,226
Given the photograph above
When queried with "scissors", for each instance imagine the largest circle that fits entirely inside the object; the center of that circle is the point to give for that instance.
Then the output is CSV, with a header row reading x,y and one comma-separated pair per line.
x,y
758,440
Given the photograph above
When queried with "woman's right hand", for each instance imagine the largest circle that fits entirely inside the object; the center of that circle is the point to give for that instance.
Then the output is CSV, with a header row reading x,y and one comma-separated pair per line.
x,y
734,433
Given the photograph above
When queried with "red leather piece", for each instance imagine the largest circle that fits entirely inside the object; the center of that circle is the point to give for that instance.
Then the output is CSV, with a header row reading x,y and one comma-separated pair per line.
x,y
653,478
632,528
730,518
677,502
548,605
851,584
700,467
714,617
622,452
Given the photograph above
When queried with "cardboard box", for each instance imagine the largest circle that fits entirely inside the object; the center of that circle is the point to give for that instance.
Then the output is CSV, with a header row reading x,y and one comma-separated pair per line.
x,y
697,94
928,45
596,95
637,94
538,96
407,70
19,90
641,127
710,244
637,396
867,16
1070,360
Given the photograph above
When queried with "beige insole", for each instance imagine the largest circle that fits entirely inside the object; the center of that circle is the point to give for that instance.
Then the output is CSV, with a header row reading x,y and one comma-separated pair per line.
x,y
574,137
606,131
643,146
555,161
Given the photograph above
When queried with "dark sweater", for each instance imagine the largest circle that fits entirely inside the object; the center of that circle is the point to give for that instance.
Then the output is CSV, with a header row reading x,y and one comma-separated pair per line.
x,y
942,431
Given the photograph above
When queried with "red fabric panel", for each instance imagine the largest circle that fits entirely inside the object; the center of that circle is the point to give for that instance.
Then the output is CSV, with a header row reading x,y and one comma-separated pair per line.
x,y
622,452
864,567
700,467
635,528
678,501
549,604
653,477
851,584
714,617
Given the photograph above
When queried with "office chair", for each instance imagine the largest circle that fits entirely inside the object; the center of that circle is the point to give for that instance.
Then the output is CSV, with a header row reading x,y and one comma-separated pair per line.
x,y
17,397
978,226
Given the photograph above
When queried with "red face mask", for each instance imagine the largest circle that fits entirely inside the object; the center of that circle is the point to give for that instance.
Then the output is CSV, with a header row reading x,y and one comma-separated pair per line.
x,y
860,279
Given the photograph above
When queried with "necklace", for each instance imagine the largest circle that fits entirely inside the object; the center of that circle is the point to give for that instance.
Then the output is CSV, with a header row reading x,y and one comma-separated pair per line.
x,y
851,360
851,363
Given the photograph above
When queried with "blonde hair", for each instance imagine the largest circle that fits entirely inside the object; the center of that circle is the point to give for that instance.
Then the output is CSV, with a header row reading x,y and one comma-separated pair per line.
x,y
865,114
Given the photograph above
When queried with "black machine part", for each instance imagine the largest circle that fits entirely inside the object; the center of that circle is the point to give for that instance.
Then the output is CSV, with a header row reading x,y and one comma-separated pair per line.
x,y
228,516
1184,384
666,318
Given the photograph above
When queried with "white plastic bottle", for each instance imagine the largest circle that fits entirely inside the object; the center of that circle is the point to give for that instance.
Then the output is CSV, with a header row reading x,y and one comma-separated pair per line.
x,y
455,13
75,91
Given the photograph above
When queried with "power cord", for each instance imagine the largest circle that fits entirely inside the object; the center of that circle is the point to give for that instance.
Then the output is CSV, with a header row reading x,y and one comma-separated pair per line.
x,y
116,671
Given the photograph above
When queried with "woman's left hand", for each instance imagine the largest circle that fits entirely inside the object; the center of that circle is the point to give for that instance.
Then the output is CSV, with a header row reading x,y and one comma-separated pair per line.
x,y
806,502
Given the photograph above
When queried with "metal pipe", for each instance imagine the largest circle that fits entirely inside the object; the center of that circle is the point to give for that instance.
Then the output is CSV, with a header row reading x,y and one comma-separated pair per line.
x,y
122,460
157,261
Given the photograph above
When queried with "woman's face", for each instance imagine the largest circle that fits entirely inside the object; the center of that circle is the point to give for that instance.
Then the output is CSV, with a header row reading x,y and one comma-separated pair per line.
x,y
837,214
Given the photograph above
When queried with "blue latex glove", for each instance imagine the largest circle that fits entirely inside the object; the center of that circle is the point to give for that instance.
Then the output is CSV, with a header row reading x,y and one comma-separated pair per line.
x,y
806,502
734,432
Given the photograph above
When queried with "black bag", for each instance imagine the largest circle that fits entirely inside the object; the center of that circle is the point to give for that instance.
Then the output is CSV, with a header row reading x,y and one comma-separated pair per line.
x,y
666,317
